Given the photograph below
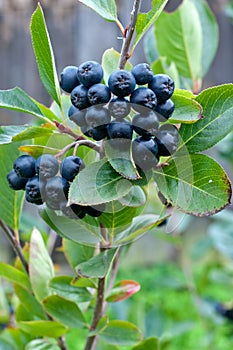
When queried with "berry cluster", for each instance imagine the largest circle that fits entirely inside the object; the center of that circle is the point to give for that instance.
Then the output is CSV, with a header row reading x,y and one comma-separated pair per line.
x,y
131,102
46,181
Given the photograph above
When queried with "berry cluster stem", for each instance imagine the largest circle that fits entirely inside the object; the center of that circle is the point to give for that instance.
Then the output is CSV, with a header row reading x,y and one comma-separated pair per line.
x,y
15,244
125,55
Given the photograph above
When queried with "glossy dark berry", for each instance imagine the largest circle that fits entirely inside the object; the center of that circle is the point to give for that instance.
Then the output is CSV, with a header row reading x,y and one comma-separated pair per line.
x,y
70,167
74,211
15,182
46,166
34,190
56,190
144,97
163,86
97,133
167,139
79,97
24,166
121,83
119,108
77,115
165,109
146,124
96,116
120,134
95,210
145,152
69,78
99,94
90,73
142,73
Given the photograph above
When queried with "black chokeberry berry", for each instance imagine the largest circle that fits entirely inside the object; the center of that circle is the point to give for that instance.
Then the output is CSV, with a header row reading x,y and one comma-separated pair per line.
x,y
46,166
15,182
74,211
77,115
167,139
121,83
96,133
142,73
145,152
34,190
56,191
143,97
70,167
90,73
146,124
24,166
163,86
69,78
79,97
99,94
120,134
119,108
96,116
165,109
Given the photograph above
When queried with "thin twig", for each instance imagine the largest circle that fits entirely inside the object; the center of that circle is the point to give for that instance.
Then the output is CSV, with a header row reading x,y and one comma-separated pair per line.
x,y
125,55
65,130
15,244
62,344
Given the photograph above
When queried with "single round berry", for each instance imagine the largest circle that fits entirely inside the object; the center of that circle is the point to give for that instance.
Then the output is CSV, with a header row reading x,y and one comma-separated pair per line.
x,y
70,167
46,166
95,210
90,73
15,182
145,152
99,94
77,115
34,190
121,83
69,79
96,116
163,86
146,124
56,190
143,97
74,211
142,73
167,139
24,166
119,108
165,109
79,97
120,134
96,133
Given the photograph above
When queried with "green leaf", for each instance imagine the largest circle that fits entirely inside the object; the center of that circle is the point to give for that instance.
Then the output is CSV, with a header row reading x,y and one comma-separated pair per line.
x,y
149,46
44,54
121,161
43,328
42,344
162,65
76,253
101,325
149,343
84,231
121,333
64,311
98,183
97,266
135,198
181,41
187,110
18,100
29,302
145,20
4,345
38,150
110,63
61,285
32,132
14,275
40,266
9,131
105,8
11,201
217,122
123,290
195,184
140,225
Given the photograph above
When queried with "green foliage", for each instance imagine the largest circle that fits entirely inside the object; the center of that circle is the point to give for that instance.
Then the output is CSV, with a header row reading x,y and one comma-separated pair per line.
x,y
106,9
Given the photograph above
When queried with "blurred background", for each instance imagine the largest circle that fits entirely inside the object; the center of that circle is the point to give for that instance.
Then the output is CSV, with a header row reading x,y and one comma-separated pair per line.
x,y
185,273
